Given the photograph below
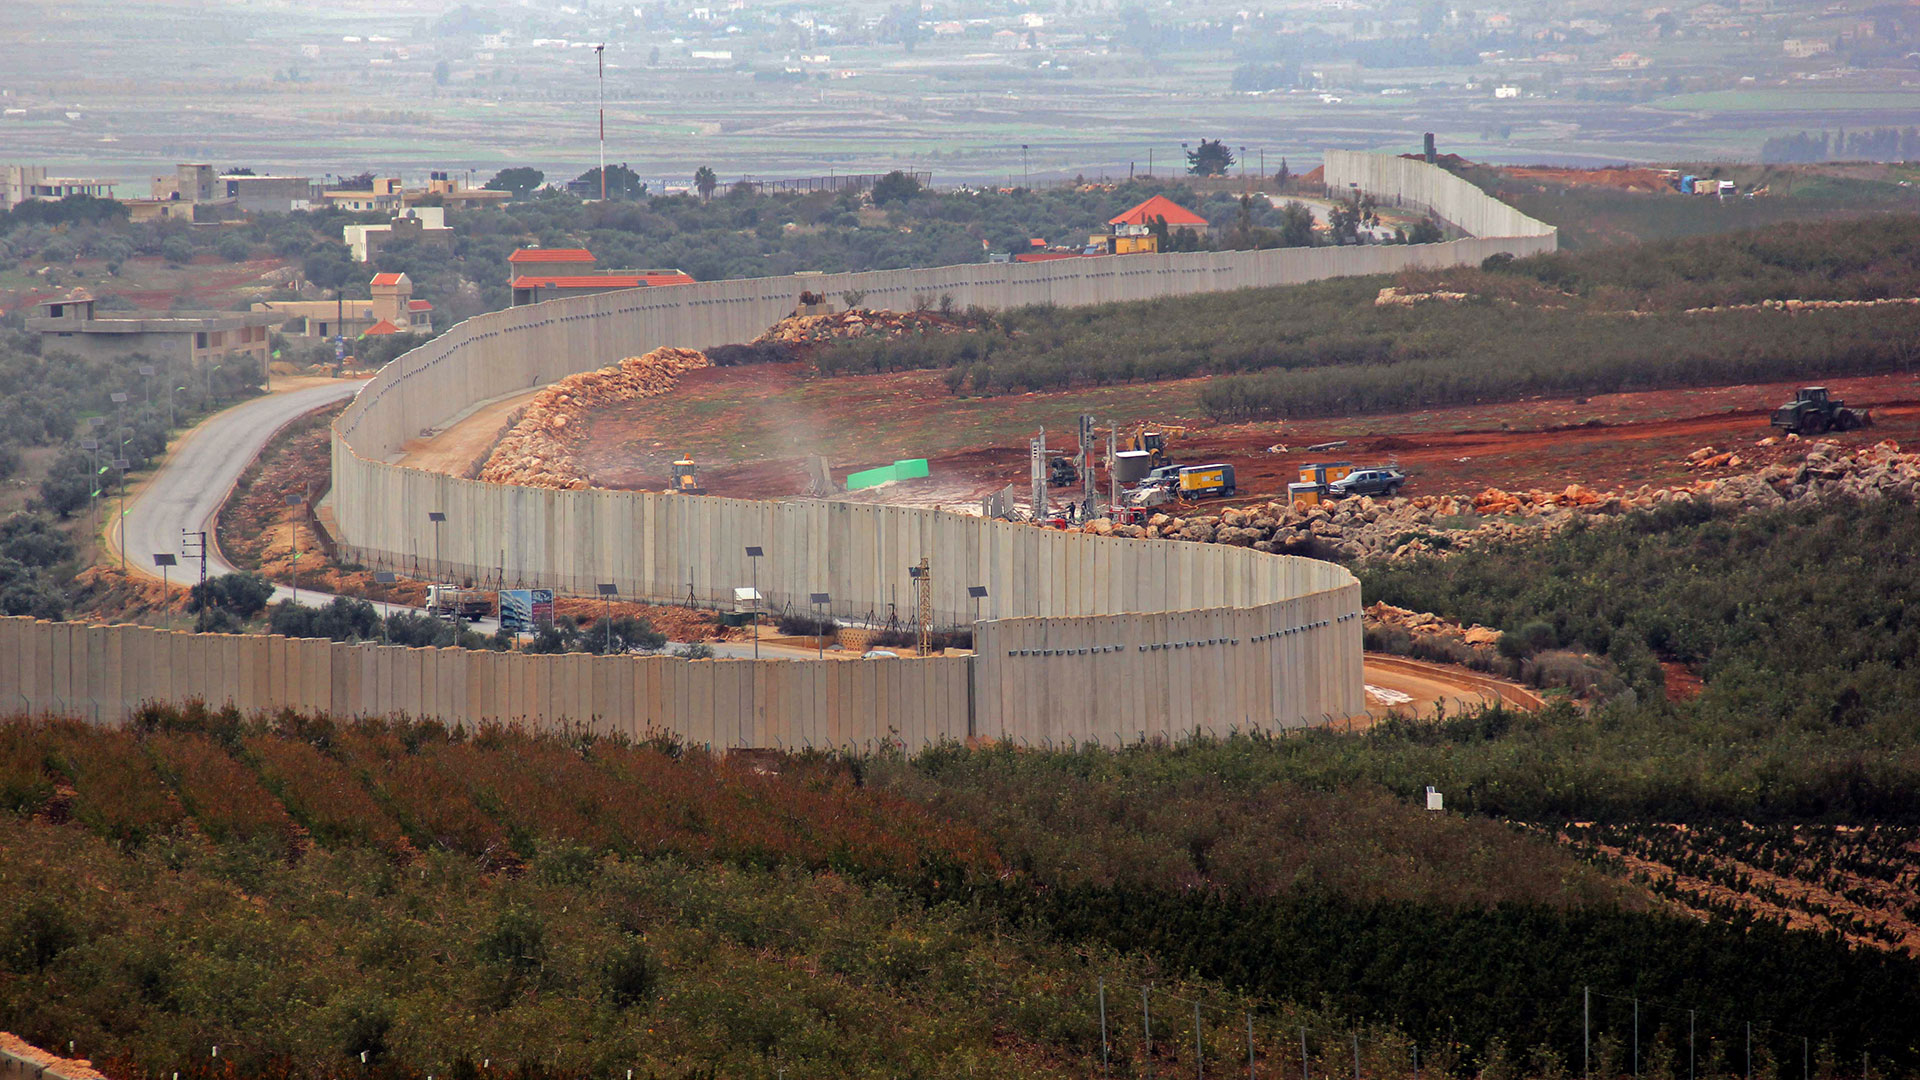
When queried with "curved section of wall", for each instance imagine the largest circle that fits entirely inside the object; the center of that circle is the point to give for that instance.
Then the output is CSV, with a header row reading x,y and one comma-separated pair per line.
x,y
1083,636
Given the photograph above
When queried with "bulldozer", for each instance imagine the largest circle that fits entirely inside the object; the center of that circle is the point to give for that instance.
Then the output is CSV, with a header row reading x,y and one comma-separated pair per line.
x,y
1814,411
686,479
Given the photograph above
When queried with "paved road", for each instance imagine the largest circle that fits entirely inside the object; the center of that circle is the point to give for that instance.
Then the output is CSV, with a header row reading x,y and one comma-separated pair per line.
x,y
185,492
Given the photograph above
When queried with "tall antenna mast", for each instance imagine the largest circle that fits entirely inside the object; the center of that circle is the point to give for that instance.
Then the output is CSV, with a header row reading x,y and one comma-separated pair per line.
x,y
600,55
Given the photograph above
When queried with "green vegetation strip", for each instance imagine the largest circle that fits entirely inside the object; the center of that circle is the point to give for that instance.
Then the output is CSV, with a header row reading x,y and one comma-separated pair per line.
x,y
1572,323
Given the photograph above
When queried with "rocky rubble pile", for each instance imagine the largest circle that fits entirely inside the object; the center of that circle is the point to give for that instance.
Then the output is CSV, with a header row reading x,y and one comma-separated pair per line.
x,y
1364,528
1421,624
538,451
859,322
1394,296
1808,305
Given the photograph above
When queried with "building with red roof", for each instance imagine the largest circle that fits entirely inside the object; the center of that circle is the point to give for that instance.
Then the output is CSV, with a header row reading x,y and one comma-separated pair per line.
x,y
550,262
1164,209
538,274
535,288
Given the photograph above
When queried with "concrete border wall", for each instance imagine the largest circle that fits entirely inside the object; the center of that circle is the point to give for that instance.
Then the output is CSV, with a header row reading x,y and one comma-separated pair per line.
x,y
1081,637
102,673
1398,181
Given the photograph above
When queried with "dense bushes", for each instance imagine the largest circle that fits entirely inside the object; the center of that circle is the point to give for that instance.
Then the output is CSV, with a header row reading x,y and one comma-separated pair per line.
x,y
348,619
1796,618
426,894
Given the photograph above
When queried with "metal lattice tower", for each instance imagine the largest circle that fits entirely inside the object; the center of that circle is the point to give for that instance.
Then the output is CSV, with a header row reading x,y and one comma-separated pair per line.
x,y
923,597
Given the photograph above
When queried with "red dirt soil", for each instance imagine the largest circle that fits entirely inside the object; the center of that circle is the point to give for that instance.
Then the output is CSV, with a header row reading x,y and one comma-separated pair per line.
x,y
751,427
1622,178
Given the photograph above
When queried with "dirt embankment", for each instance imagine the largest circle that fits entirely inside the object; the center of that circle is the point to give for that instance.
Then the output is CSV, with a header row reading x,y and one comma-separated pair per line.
x,y
1369,528
540,450
803,331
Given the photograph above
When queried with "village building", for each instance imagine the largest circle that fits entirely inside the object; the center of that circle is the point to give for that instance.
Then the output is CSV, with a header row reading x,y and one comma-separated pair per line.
x,y
187,340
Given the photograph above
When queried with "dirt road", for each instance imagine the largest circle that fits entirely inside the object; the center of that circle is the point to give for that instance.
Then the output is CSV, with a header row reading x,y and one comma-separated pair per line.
x,y
1432,688
455,447
751,427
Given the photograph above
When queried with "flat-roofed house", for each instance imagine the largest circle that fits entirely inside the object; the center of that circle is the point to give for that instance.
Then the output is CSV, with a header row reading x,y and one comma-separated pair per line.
x,y
191,339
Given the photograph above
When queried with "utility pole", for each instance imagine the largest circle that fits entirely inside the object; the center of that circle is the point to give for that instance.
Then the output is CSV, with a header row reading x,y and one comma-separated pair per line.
x,y
1586,1032
196,540
600,57
1103,1027
1356,1054
1250,1044
1303,1055
1199,1052
1146,1026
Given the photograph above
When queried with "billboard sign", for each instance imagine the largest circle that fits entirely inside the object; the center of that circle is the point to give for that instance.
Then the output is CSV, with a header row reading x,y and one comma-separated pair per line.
x,y
522,611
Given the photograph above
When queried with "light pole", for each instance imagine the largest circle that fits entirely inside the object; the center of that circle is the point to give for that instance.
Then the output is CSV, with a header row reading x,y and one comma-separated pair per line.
x,y
754,553
122,465
120,420
979,593
296,500
384,577
120,462
609,590
1026,177
147,370
817,600
170,393
164,559
92,447
438,518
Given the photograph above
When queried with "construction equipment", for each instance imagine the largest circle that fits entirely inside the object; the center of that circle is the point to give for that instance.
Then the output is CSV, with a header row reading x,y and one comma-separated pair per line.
x,y
1324,472
1062,472
1153,443
453,602
1205,481
686,479
1814,411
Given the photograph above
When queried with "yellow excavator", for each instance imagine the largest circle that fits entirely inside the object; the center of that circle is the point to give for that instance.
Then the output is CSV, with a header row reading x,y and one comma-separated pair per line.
x,y
686,478
1152,441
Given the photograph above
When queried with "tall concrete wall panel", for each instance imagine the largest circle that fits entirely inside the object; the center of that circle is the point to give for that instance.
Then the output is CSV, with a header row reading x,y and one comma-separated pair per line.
x,y
84,671
1407,182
